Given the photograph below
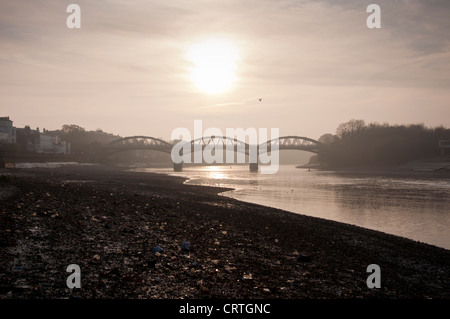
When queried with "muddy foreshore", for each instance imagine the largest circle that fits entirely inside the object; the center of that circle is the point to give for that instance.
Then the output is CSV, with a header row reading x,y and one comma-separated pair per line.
x,y
108,221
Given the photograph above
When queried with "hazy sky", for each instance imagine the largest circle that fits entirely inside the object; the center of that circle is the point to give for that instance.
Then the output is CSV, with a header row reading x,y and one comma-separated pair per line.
x,y
315,64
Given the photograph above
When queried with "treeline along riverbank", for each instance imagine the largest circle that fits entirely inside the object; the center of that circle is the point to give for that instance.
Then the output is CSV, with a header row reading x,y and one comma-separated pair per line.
x,y
357,144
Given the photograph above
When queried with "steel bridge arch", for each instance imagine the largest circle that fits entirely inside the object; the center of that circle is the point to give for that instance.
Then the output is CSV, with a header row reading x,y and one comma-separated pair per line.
x,y
143,142
150,143
292,142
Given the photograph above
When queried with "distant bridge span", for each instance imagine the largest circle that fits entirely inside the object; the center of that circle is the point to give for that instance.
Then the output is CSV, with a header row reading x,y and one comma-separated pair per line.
x,y
150,143
299,143
138,143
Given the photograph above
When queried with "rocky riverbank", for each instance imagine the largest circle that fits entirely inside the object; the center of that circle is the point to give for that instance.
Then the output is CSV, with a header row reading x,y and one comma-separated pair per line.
x,y
140,235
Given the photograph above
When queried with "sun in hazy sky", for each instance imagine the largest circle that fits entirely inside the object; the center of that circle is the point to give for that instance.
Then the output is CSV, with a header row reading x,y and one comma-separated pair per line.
x,y
163,64
214,63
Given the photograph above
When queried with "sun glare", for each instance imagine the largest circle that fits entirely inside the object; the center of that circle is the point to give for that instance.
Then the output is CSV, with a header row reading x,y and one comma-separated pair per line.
x,y
214,65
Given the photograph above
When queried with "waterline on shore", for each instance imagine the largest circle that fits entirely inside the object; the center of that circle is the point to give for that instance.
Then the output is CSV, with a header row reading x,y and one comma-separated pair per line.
x,y
408,205
46,164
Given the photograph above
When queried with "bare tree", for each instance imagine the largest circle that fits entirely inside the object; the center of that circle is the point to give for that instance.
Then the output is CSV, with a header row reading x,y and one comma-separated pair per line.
x,y
350,128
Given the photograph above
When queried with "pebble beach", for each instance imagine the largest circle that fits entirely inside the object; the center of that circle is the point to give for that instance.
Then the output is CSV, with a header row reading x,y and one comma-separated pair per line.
x,y
150,236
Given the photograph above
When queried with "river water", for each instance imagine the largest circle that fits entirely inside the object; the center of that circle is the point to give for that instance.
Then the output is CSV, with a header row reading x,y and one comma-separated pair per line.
x,y
412,205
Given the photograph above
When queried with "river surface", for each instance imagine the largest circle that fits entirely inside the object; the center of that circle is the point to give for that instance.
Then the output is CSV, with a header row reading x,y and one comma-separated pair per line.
x,y
412,205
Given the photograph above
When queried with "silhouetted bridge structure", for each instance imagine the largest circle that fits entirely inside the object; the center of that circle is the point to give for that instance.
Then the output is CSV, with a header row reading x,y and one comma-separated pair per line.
x,y
213,143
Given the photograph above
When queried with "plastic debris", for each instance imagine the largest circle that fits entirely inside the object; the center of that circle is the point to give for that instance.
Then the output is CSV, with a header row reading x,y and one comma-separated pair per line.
x,y
157,249
186,245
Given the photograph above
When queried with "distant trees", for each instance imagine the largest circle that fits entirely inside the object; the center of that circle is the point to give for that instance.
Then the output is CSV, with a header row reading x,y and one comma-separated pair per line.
x,y
350,128
327,138
359,144
72,128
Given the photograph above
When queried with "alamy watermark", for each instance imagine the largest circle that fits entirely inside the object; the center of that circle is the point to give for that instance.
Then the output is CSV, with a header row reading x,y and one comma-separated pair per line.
x,y
374,280
374,19
212,146
74,280
73,21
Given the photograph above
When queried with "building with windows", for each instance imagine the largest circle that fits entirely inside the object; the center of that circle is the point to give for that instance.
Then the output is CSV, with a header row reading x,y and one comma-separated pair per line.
x,y
29,140
34,141
52,144
7,131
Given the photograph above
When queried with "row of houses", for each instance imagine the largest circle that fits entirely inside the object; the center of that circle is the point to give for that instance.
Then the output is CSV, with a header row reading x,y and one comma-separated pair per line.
x,y
31,140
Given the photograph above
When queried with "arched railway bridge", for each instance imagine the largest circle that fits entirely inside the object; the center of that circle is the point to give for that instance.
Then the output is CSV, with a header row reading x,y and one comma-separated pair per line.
x,y
213,144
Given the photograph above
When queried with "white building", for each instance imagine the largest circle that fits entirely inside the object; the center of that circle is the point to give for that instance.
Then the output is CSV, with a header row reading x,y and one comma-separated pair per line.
x,y
45,144
52,144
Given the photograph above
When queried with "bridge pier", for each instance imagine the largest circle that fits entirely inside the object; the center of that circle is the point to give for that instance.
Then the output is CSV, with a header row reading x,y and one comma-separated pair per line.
x,y
253,167
177,167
